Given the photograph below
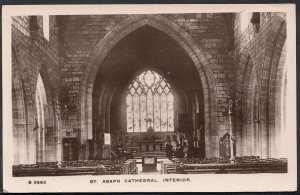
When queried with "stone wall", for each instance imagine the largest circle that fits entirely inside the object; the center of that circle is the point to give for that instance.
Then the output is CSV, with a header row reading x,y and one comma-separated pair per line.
x,y
212,34
231,64
32,55
257,65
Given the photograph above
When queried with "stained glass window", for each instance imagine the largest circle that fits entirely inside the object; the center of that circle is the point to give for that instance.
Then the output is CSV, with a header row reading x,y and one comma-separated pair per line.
x,y
150,103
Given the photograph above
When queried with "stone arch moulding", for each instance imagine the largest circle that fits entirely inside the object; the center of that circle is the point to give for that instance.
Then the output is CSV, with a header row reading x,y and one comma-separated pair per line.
x,y
245,75
19,115
275,74
20,68
242,82
243,69
183,39
28,79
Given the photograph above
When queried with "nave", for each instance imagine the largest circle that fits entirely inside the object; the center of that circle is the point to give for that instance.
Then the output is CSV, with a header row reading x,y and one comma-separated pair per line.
x,y
149,94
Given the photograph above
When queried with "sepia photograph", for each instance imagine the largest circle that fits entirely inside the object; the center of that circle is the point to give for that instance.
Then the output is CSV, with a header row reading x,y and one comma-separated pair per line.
x,y
115,99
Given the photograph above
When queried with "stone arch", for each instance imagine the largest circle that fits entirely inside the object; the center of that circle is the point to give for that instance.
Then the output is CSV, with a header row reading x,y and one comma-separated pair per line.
x,y
281,126
245,77
243,64
278,106
19,117
20,72
42,114
28,80
275,78
51,96
183,39
49,89
265,77
277,36
250,134
45,118
18,54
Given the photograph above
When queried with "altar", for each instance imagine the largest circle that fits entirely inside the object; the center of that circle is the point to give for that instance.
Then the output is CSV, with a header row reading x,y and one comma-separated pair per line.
x,y
151,145
148,143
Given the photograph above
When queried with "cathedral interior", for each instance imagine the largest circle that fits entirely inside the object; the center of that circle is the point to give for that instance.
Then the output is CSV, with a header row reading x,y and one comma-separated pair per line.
x,y
140,94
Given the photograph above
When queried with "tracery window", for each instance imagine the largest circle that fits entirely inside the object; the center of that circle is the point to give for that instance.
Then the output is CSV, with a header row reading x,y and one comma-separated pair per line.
x,y
150,103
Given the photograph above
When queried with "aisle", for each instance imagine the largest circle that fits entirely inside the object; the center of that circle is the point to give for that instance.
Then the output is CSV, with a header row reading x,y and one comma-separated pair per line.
x,y
158,172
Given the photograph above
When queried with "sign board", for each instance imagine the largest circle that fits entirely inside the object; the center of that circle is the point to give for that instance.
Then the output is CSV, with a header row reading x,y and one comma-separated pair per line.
x,y
107,139
149,160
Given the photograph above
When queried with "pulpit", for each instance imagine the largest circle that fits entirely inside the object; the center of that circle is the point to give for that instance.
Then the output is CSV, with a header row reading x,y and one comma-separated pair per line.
x,y
70,149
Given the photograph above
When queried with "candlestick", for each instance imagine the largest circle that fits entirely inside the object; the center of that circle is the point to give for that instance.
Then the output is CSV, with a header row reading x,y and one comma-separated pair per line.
x,y
230,111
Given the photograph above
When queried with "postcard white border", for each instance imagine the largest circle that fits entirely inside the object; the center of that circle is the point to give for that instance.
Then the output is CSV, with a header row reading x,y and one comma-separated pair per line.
x,y
200,182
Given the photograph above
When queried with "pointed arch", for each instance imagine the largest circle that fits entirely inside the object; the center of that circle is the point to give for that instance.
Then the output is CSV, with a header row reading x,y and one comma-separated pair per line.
x,y
264,75
25,83
22,86
246,83
276,90
191,47
19,118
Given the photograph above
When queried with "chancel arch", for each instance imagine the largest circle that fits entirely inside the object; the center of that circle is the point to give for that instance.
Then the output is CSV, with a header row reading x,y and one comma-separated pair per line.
x,y
180,37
